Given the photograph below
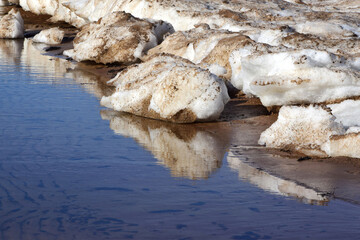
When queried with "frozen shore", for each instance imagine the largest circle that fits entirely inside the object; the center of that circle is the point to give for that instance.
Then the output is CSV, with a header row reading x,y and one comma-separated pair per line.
x,y
301,58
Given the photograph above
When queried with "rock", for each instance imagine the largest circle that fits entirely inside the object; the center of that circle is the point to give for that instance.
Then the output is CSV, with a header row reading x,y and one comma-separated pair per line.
x,y
169,88
12,25
49,36
118,37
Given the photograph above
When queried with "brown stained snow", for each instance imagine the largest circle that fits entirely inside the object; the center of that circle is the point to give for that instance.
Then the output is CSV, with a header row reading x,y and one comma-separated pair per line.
x,y
118,37
169,88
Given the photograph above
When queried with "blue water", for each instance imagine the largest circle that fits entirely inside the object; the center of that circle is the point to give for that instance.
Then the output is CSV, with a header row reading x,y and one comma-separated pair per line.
x,y
65,174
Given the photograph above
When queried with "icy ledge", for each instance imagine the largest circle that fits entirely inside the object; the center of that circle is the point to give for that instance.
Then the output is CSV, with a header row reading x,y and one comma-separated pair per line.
x,y
12,25
169,88
316,130
117,37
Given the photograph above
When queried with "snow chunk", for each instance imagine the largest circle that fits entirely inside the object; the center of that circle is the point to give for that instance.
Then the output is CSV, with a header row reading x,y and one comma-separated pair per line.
x,y
50,36
294,77
183,16
324,29
208,47
301,128
53,8
315,128
169,88
118,37
12,25
347,113
345,145
40,6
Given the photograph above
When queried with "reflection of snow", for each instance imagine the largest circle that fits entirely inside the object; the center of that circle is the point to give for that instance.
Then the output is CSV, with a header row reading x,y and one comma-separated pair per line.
x,y
188,151
11,50
272,183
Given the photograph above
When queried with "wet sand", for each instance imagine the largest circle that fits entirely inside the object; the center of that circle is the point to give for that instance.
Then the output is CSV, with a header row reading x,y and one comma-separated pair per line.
x,y
236,132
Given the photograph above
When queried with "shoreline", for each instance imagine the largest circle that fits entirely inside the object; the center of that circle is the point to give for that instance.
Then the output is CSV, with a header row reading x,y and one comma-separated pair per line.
x,y
239,129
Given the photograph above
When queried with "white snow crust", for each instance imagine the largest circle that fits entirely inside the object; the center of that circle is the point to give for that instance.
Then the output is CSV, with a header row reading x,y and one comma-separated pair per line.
x,y
294,77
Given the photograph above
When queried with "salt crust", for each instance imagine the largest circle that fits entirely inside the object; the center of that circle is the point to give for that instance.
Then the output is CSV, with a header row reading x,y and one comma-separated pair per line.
x,y
169,88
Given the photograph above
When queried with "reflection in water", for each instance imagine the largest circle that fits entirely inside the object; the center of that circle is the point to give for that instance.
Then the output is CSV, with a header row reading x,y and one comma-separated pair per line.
x,y
186,149
274,184
44,68
10,50
50,70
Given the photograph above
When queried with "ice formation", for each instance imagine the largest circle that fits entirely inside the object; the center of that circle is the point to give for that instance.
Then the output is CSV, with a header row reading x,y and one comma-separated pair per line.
x,y
117,37
50,36
12,25
334,130
294,77
169,88
186,150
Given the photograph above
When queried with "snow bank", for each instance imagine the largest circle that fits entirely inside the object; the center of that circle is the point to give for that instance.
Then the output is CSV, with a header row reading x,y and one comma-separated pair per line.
x,y
53,8
334,131
183,16
294,77
12,25
208,47
118,37
186,150
50,36
169,88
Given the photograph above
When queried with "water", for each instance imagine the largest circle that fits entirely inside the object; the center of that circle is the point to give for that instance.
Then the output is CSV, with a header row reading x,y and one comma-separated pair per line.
x,y
70,169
